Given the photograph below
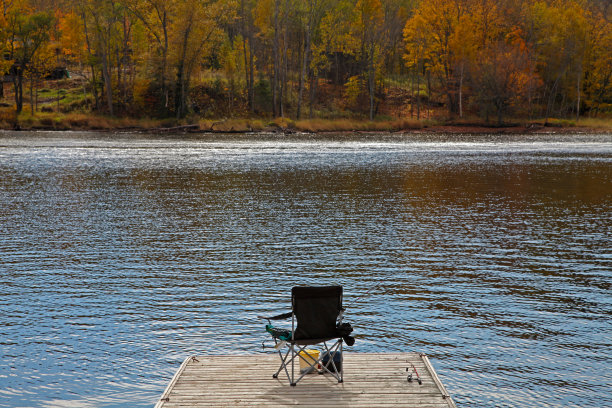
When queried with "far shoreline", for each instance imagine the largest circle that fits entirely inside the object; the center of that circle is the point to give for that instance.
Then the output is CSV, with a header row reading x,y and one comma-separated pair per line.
x,y
102,124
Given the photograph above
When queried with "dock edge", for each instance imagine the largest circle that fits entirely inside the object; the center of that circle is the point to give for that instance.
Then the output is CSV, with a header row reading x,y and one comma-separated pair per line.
x,y
165,395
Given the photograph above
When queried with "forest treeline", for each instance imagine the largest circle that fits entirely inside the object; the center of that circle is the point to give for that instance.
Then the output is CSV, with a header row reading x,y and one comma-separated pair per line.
x,y
315,58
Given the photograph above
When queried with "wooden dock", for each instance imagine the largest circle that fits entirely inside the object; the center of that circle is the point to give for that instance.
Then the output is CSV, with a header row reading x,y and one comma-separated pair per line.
x,y
370,380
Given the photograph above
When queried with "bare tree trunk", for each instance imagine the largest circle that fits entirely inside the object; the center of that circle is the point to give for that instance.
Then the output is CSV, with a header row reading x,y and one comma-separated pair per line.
x,y
461,91
127,62
119,88
313,87
337,68
252,76
285,68
180,89
371,80
165,63
418,93
551,99
275,45
180,100
18,85
20,95
247,74
530,86
578,99
103,39
94,87
411,95
32,94
107,83
305,58
428,94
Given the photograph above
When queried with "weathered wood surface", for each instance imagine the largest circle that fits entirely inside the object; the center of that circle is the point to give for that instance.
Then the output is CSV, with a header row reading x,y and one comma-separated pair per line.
x,y
370,380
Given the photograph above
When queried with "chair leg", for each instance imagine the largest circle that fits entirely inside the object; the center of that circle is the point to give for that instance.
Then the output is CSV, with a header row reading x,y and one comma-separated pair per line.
x,y
312,362
338,374
293,353
293,383
283,364
289,359
341,363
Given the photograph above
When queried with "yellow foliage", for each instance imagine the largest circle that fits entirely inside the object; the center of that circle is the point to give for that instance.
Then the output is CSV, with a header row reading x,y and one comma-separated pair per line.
x,y
554,52
72,37
353,88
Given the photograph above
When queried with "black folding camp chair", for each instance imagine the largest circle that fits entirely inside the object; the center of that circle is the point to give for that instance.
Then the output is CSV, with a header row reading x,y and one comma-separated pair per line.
x,y
318,312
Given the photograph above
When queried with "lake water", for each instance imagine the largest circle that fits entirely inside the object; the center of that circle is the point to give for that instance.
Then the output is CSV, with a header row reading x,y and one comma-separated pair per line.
x,y
120,255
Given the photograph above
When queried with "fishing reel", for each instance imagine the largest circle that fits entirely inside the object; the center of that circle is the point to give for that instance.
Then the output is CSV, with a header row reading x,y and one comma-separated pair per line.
x,y
416,373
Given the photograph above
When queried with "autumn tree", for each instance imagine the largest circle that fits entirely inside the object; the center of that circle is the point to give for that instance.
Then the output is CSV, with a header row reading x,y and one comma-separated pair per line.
x,y
310,14
271,18
27,35
157,17
196,30
248,33
337,40
41,64
597,79
557,32
5,36
369,23
438,20
417,55
102,20
500,76
396,14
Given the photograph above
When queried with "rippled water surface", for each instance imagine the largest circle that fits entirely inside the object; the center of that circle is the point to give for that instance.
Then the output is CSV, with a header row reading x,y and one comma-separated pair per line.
x,y
122,254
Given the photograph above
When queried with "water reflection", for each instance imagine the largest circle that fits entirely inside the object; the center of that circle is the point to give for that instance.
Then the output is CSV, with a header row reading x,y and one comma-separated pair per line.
x,y
120,256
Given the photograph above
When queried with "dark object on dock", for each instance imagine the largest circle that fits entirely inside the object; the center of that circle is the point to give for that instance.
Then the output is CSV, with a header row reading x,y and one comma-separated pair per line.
x,y
326,360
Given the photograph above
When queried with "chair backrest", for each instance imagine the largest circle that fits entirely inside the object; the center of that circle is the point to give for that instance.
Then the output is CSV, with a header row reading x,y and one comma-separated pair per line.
x,y
316,309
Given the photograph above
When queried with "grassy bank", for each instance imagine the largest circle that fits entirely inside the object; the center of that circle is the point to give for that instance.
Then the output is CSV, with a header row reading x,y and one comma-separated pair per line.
x,y
75,121
89,121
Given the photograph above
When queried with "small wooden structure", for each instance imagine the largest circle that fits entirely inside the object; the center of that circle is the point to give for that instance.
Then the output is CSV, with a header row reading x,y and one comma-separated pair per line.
x,y
370,380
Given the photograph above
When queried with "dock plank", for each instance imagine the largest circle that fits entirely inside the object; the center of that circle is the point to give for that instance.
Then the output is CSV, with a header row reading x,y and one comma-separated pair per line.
x,y
370,380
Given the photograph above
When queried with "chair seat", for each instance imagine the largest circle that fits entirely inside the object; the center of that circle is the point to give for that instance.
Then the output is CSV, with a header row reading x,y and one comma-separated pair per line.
x,y
308,342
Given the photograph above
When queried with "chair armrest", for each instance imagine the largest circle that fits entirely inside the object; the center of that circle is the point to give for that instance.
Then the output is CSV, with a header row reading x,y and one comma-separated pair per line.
x,y
279,317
